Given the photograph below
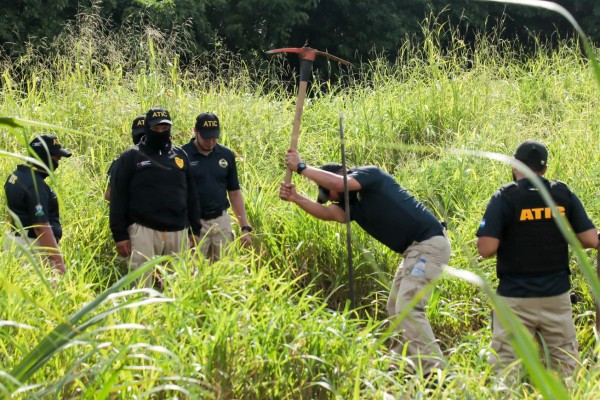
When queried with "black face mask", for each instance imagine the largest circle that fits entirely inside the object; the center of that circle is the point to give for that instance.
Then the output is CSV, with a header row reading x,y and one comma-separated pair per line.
x,y
158,140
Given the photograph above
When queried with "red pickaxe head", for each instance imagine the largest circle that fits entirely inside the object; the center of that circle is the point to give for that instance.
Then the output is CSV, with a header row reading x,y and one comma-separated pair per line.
x,y
307,53
307,56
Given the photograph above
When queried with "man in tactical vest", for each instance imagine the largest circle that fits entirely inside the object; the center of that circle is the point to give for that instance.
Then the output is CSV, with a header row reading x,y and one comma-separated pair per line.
x,y
532,259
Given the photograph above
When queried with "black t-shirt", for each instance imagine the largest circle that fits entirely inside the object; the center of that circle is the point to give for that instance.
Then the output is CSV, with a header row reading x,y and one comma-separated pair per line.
x,y
494,224
386,211
32,200
214,174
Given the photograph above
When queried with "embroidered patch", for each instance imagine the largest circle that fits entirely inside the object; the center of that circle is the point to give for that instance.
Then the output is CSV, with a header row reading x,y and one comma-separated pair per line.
x,y
180,163
39,210
223,163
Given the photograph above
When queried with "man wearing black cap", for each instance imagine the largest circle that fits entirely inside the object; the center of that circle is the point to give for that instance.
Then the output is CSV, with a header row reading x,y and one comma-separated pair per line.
x,y
153,200
137,133
386,211
215,173
34,204
532,259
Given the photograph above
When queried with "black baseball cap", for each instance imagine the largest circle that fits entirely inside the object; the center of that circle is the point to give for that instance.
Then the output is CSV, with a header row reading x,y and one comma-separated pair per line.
x,y
533,154
323,196
207,125
45,143
156,116
137,128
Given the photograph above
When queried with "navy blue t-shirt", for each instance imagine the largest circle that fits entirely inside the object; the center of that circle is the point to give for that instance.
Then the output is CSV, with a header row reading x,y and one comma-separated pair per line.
x,y
386,211
214,174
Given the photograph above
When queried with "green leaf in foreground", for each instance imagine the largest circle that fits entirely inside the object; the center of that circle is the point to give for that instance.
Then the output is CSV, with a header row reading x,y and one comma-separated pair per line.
x,y
67,331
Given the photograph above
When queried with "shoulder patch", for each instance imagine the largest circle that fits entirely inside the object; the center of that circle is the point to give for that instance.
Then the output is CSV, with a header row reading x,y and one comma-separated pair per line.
x,y
39,210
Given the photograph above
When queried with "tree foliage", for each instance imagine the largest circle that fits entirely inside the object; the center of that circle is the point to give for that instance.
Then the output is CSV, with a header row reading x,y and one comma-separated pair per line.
x,y
351,29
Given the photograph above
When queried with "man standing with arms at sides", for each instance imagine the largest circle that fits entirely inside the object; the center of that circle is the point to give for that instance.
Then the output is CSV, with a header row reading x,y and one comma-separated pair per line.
x,y
532,259
386,211
215,173
153,200
137,133
32,201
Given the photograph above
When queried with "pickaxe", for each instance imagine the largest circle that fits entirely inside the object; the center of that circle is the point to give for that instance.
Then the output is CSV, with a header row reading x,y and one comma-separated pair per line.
x,y
307,56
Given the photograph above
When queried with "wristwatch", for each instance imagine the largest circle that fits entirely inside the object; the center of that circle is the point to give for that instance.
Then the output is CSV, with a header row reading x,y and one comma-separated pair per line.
x,y
301,167
246,228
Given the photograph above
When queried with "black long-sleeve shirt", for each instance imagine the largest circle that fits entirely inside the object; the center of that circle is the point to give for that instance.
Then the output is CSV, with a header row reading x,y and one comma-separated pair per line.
x,y
32,201
153,188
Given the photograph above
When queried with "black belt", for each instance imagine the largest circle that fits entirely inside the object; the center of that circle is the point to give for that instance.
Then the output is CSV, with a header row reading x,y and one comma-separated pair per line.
x,y
211,214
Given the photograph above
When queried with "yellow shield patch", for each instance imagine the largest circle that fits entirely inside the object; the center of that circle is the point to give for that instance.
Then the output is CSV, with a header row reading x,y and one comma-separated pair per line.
x,y
179,162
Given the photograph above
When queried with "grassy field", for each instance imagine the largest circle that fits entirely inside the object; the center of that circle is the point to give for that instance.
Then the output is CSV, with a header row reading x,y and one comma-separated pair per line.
x,y
274,321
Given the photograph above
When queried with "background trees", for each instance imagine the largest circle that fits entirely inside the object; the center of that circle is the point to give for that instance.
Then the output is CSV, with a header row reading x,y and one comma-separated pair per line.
x,y
349,28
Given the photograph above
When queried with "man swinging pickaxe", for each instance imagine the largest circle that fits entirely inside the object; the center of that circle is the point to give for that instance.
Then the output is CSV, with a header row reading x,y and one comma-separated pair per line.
x,y
307,56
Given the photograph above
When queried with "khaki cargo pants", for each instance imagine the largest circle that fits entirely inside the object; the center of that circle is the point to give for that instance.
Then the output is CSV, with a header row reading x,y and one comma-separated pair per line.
x,y
215,234
16,243
147,243
415,331
548,319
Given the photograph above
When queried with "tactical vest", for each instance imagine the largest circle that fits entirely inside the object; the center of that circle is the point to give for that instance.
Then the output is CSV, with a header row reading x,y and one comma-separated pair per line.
x,y
531,242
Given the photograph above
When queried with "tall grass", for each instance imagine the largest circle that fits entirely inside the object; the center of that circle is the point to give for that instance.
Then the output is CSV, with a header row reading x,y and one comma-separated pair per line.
x,y
274,321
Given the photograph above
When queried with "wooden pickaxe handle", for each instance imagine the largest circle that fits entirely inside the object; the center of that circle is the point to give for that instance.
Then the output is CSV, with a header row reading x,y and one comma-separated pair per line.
x,y
305,72
307,56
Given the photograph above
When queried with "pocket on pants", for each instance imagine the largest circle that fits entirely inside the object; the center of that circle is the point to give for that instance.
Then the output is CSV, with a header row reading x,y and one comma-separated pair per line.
x,y
133,230
432,271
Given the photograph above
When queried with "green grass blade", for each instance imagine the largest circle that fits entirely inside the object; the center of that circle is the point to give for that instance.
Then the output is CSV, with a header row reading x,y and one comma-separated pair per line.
x,y
66,331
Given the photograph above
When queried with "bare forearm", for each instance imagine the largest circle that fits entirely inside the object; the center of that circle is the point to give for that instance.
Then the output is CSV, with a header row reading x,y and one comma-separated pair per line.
x,y
47,240
237,204
588,239
331,213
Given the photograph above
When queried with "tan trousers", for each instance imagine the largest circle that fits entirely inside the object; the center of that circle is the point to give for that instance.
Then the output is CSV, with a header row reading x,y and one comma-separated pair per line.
x,y
215,234
415,330
15,243
550,321
147,243
12,242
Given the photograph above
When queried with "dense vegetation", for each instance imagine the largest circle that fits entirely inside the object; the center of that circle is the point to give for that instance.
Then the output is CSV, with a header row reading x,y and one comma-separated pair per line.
x,y
274,322
349,29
